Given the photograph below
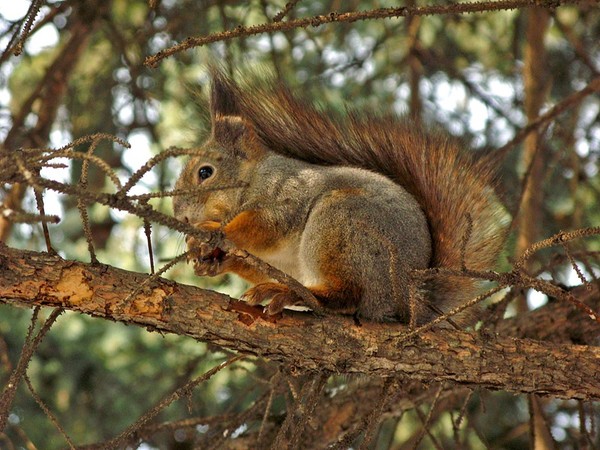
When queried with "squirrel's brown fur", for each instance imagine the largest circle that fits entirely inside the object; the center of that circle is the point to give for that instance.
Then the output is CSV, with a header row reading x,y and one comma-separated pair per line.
x,y
467,223
452,186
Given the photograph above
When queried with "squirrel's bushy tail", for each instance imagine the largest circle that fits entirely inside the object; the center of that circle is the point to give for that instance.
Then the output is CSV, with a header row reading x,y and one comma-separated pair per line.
x,y
455,190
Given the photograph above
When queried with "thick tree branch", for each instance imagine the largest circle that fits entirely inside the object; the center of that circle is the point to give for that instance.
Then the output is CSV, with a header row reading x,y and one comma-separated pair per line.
x,y
332,343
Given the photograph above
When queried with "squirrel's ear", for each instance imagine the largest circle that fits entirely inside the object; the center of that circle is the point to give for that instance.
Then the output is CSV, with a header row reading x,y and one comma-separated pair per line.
x,y
223,100
228,130
228,125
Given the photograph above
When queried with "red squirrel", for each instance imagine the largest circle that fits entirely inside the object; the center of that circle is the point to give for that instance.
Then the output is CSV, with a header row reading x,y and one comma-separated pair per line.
x,y
348,206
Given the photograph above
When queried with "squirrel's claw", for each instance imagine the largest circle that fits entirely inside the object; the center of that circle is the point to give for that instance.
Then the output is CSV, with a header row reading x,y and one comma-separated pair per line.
x,y
198,249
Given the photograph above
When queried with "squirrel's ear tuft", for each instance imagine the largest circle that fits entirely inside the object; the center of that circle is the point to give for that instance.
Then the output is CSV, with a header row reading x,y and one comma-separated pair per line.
x,y
223,100
228,130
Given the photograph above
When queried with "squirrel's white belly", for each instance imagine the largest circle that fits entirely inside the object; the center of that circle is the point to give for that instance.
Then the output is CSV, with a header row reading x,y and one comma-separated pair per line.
x,y
286,258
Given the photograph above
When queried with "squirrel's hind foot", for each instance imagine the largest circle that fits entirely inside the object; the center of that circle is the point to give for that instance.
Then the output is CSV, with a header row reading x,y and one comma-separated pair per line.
x,y
279,294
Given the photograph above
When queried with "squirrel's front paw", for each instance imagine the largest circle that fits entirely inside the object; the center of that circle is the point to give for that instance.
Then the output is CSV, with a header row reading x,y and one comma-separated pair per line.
x,y
279,294
207,259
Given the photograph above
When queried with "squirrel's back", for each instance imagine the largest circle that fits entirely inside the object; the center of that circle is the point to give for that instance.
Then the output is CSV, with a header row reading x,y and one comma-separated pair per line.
x,y
467,222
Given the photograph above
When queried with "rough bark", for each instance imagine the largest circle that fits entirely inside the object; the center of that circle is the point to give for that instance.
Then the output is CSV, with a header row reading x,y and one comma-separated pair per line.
x,y
333,343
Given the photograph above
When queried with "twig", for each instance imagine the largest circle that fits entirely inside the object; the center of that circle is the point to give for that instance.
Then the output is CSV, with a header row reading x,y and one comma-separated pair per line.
x,y
576,267
556,110
83,213
168,153
39,201
261,430
349,17
426,421
557,239
149,280
300,412
29,348
22,217
454,311
34,9
456,423
374,418
285,11
122,439
47,411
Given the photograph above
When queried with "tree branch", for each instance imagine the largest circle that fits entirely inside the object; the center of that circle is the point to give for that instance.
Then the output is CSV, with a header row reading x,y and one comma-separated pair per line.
x,y
349,17
333,343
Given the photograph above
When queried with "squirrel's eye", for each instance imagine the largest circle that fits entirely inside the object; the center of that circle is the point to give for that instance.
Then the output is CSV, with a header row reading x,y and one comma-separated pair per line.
x,y
205,172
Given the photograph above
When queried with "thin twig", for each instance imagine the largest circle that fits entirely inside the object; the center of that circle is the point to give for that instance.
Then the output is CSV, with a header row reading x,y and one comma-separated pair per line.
x,y
122,439
149,280
349,17
426,421
298,415
31,15
575,267
83,212
29,348
551,114
47,411
373,419
557,239
285,11
155,160
22,217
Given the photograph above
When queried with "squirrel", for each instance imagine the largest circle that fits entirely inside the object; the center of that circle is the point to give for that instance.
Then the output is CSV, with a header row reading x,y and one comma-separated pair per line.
x,y
347,205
